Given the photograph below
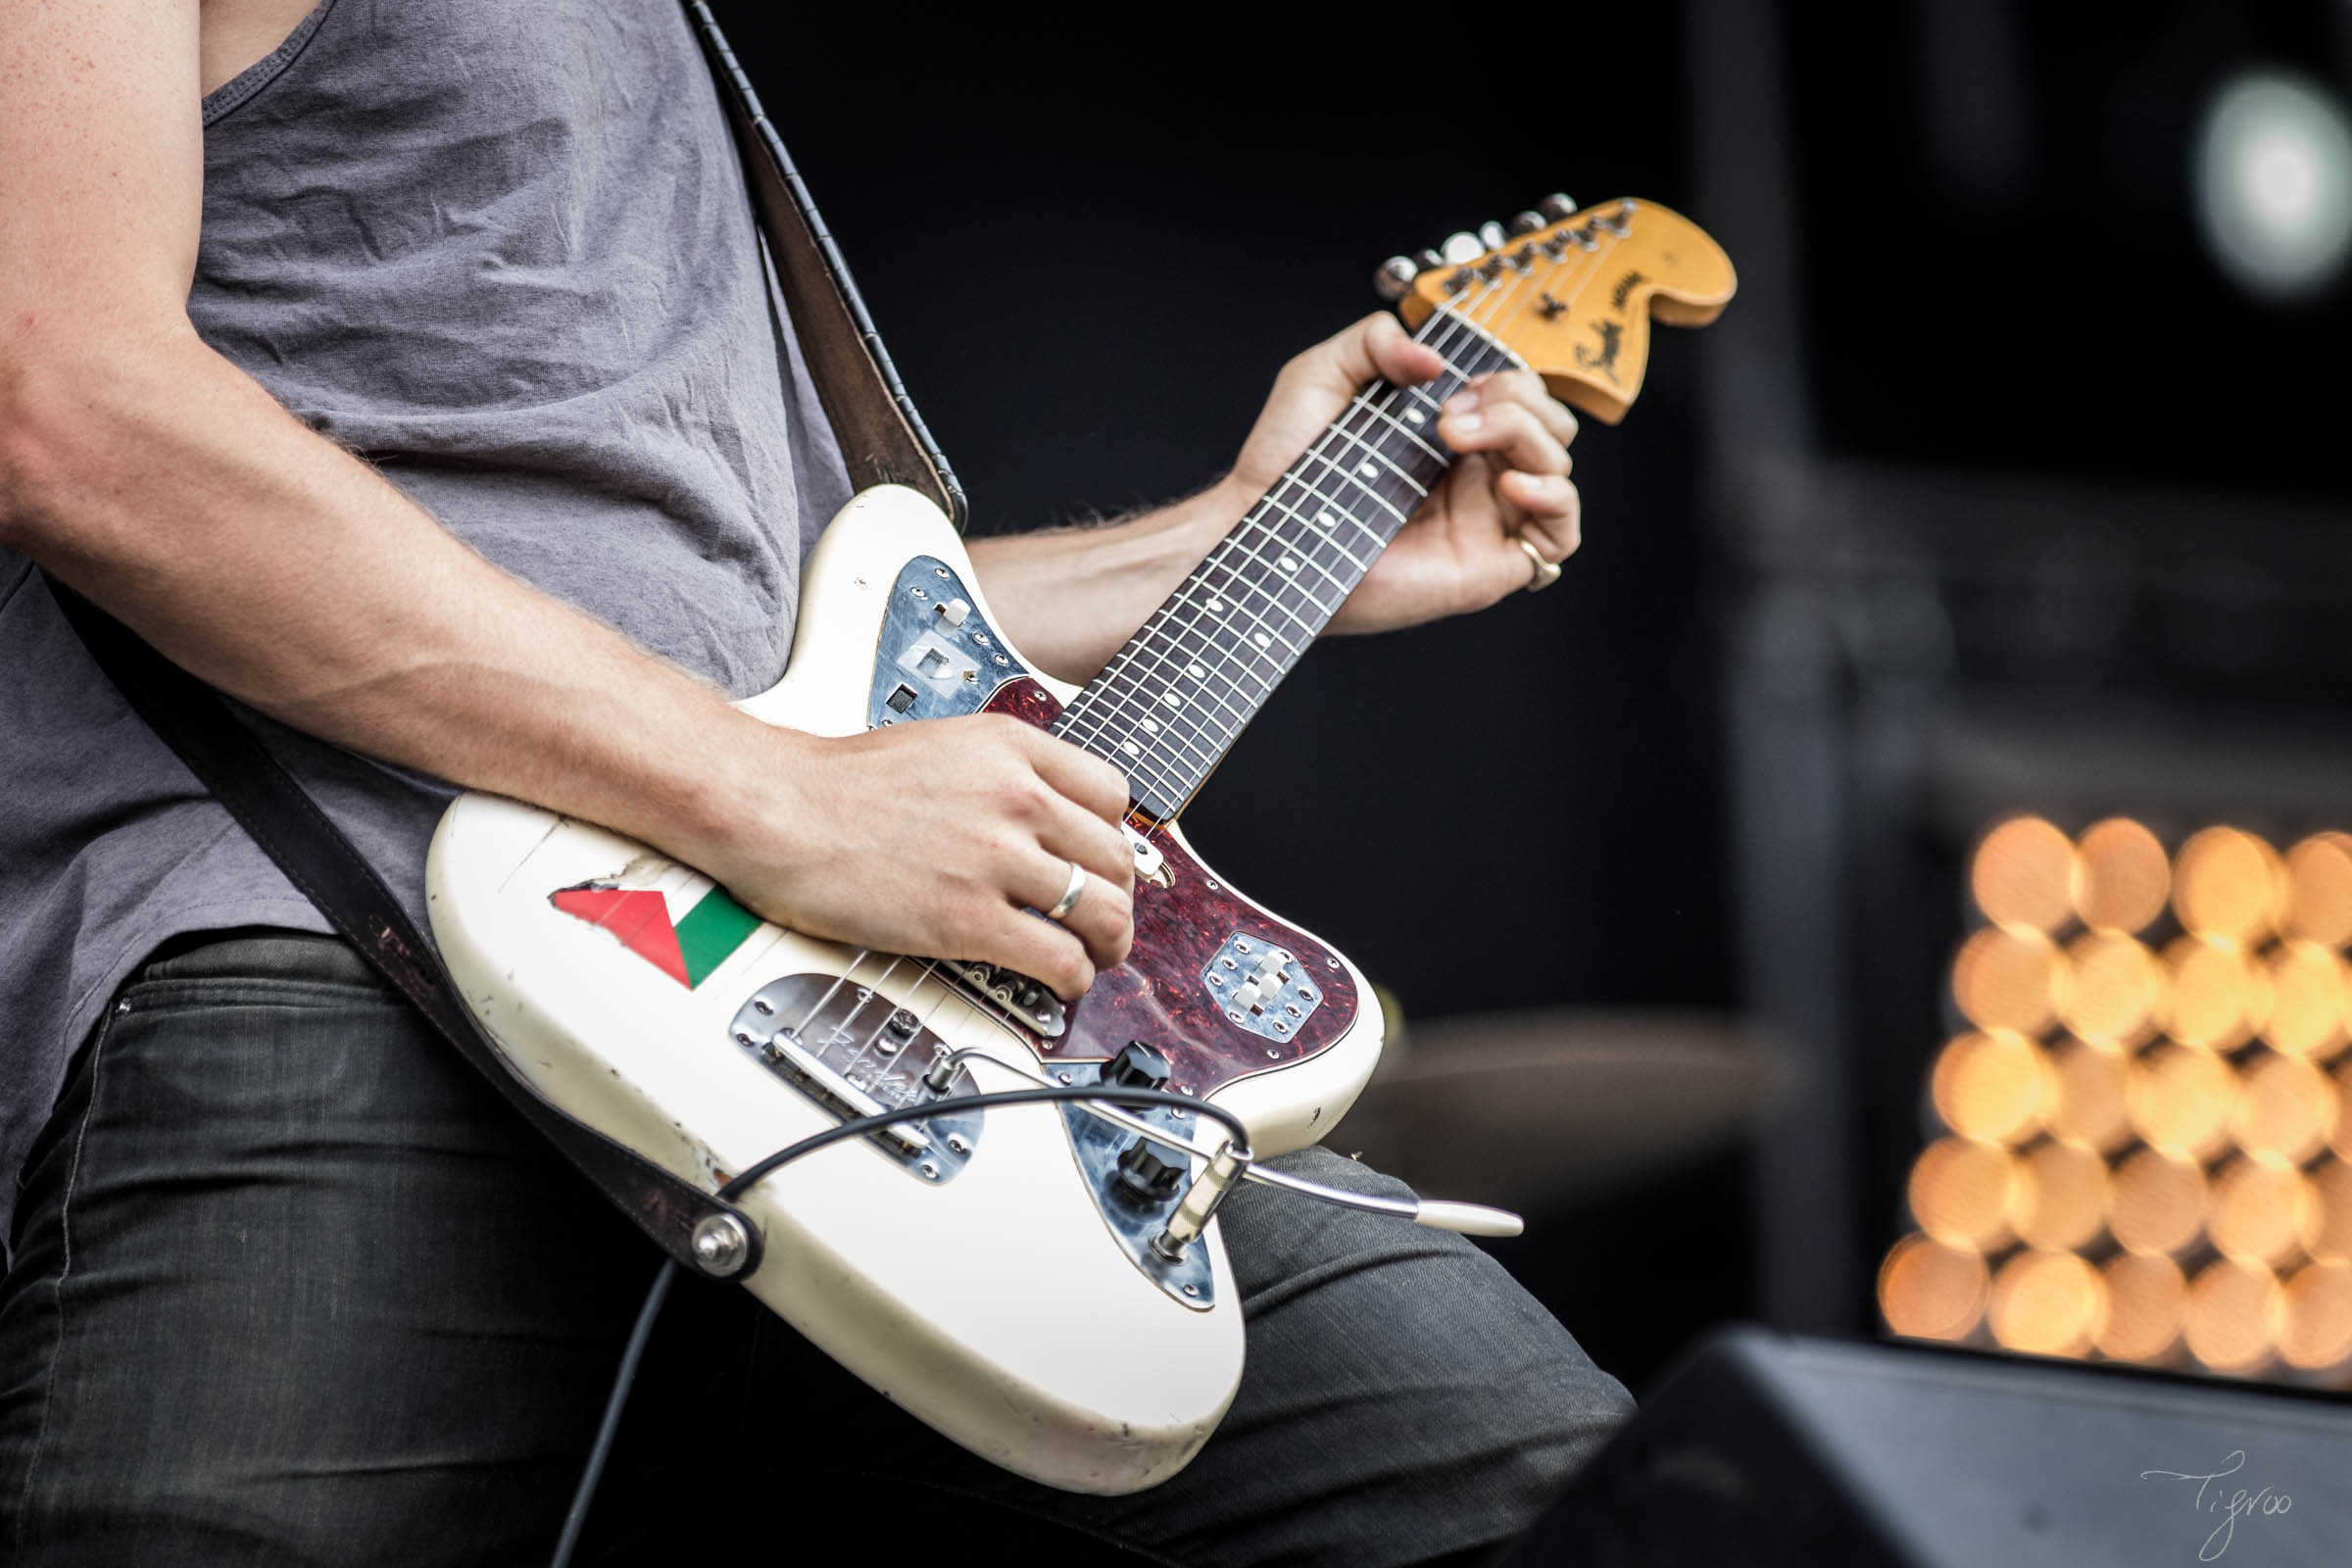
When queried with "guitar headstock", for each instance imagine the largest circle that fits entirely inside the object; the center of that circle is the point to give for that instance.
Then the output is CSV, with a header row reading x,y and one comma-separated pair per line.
x,y
1573,297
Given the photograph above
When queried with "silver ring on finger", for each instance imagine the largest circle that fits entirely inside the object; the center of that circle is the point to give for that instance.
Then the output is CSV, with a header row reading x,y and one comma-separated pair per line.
x,y
1546,573
1069,895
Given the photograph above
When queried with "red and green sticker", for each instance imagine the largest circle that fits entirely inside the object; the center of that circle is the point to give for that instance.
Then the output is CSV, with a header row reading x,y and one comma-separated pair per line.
x,y
682,925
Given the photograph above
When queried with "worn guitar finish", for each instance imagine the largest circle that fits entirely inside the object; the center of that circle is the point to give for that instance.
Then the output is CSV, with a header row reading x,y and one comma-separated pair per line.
x,y
1016,1276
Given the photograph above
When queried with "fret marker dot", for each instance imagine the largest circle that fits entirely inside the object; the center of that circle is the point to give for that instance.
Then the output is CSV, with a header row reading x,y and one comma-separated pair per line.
x,y
1172,700
1288,563
1416,417
1131,749
1216,606
1262,640
1196,672
1151,726
1367,469
1327,520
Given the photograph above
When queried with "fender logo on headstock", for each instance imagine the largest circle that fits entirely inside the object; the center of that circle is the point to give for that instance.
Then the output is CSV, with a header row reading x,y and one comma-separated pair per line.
x,y
1605,361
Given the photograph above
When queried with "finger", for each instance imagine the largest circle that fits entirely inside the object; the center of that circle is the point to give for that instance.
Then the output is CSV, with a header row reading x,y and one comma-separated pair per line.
x,y
1553,512
1506,428
1376,348
1075,775
1526,388
1103,918
1038,948
1071,832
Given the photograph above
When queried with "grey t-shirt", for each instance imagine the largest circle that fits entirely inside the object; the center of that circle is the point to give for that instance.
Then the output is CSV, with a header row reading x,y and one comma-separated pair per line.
x,y
502,249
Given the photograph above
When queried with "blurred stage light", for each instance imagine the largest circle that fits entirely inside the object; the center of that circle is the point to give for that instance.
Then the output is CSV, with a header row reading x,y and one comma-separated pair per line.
x,y
2122,876
2009,979
1992,1087
2273,184
2047,1304
2115,989
1928,1291
1964,1194
2022,875
2090,1109
2147,1299
2235,1311
2318,1317
2229,886
2153,1159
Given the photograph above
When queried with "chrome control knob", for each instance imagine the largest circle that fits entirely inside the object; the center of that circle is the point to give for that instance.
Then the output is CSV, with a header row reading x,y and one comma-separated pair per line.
x,y
1429,259
1492,237
1556,206
1394,277
1460,248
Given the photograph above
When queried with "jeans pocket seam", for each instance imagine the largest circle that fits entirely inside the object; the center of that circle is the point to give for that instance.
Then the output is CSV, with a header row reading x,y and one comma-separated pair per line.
x,y
65,1271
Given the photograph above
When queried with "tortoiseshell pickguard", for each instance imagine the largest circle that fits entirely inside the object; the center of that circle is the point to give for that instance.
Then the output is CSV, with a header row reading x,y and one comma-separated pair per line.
x,y
1156,995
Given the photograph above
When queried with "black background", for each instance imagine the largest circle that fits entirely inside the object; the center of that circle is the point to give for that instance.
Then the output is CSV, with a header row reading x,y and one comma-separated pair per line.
x,y
1091,245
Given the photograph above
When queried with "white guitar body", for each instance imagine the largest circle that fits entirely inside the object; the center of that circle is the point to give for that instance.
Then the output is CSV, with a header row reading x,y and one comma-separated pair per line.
x,y
986,1279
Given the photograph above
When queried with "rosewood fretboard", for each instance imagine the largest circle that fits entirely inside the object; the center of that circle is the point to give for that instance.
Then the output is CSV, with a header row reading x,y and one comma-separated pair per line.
x,y
1171,701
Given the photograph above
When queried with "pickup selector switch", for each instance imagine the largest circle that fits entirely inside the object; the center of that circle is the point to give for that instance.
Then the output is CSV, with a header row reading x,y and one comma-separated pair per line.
x,y
953,612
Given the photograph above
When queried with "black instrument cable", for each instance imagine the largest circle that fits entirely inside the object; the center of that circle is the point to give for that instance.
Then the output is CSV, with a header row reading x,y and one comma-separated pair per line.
x,y
647,1315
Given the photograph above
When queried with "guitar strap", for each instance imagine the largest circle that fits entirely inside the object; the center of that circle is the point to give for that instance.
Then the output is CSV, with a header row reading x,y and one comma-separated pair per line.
x,y
883,440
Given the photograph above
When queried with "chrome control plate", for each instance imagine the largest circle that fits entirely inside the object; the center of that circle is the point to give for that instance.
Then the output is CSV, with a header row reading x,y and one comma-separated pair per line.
x,y
1098,1143
1261,987
937,656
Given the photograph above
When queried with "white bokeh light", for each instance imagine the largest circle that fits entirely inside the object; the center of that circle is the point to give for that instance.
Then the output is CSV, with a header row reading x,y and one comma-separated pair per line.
x,y
2273,184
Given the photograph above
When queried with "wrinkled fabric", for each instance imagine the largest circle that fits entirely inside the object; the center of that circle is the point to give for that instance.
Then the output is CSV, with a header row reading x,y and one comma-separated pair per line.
x,y
502,250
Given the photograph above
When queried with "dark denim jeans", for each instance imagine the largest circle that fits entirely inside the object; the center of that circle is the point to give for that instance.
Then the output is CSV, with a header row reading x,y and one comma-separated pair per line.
x,y
291,1286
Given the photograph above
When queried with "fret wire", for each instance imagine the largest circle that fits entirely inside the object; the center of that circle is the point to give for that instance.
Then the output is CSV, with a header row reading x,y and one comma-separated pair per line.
x,y
1289,552
1126,701
1381,457
1322,536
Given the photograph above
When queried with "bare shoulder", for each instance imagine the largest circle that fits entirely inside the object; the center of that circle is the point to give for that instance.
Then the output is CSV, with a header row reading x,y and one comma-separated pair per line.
x,y
237,34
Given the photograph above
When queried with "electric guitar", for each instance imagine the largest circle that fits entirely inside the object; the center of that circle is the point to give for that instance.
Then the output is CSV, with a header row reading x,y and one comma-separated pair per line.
x,y
1020,1277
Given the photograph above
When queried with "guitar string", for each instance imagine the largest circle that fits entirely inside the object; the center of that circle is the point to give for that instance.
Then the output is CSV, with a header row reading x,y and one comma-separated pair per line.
x,y
1495,294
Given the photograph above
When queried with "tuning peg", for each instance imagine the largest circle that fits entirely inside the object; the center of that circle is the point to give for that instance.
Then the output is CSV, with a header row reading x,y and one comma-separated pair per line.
x,y
1429,259
1394,277
1527,222
1492,237
1556,206
1460,247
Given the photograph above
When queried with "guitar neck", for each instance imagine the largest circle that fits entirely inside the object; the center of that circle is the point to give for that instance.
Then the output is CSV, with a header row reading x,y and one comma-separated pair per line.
x,y
1171,701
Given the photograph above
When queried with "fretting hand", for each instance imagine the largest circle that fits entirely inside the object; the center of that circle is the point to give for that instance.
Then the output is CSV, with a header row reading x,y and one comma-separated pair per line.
x,y
1460,549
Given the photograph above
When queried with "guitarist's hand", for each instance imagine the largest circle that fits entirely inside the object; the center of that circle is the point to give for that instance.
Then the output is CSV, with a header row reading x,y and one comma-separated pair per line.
x,y
1459,550
937,839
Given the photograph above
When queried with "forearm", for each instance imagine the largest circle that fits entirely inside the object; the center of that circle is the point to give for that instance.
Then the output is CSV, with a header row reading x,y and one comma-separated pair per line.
x,y
170,488
1070,596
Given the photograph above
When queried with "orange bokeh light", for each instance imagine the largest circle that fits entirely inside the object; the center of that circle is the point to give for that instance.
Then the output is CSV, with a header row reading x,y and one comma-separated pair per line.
x,y
2089,1104
2155,1203
2146,1297
2311,994
2319,902
2047,1304
1928,1291
2235,1311
2285,1110
2258,1214
2218,996
2121,876
2115,989
2228,885
2022,874
2009,979
2318,1317
2179,1098
2063,1205
1964,1192
1992,1087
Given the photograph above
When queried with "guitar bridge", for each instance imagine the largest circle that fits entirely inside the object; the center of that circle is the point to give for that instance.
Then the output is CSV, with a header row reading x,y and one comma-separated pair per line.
x,y
858,1053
